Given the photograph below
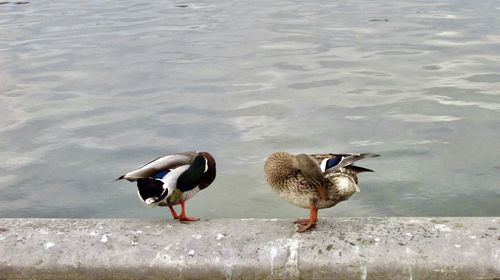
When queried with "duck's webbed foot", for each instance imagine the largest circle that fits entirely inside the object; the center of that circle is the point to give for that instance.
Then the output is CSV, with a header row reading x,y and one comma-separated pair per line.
x,y
308,224
302,222
188,219
306,227
183,217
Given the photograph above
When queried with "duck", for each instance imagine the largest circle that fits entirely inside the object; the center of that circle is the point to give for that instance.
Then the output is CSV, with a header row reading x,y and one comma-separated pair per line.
x,y
314,181
173,179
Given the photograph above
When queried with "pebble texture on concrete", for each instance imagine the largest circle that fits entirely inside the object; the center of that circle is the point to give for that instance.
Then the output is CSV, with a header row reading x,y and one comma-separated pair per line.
x,y
340,248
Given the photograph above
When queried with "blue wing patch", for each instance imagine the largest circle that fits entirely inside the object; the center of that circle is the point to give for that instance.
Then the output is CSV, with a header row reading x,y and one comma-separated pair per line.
x,y
161,174
333,161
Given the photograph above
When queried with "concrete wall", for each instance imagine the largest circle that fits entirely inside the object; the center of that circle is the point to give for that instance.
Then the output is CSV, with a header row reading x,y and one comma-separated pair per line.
x,y
340,248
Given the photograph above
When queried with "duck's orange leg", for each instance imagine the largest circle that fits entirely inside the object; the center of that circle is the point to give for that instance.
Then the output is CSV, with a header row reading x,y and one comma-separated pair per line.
x,y
183,216
174,214
308,224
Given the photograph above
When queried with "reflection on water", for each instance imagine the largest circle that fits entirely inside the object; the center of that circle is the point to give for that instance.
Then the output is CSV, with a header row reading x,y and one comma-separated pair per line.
x,y
92,89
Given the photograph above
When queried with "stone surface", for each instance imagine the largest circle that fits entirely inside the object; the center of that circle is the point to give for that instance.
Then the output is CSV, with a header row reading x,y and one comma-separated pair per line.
x,y
340,248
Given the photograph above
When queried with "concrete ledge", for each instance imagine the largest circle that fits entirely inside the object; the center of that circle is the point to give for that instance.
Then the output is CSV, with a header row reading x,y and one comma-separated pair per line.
x,y
340,248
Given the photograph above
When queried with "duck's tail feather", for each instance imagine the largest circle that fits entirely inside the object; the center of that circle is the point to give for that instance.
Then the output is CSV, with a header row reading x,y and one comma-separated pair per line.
x,y
368,155
358,169
344,160
119,178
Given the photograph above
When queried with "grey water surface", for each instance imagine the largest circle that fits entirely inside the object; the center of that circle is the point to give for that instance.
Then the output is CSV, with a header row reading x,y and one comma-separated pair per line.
x,y
92,89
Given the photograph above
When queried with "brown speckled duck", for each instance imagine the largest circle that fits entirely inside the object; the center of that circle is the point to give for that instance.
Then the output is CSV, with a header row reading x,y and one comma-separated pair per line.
x,y
314,181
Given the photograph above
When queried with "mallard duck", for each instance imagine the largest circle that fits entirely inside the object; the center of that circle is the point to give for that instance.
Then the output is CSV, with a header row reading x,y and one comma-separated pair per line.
x,y
173,179
314,181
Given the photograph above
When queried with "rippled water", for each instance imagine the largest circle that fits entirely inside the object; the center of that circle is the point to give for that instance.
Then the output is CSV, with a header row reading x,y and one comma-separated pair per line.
x,y
92,89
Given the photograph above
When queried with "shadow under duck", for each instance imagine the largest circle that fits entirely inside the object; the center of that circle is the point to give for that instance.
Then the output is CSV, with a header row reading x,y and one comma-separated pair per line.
x,y
173,179
314,181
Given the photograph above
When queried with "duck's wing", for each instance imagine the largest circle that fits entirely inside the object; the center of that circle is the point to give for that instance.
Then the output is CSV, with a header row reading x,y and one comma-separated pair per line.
x,y
333,162
159,165
312,172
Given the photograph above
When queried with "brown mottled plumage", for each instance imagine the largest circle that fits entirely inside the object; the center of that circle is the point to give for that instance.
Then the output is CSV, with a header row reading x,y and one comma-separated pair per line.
x,y
300,180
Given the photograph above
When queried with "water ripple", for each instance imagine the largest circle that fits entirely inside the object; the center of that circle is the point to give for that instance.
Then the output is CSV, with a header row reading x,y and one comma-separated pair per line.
x,y
91,89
